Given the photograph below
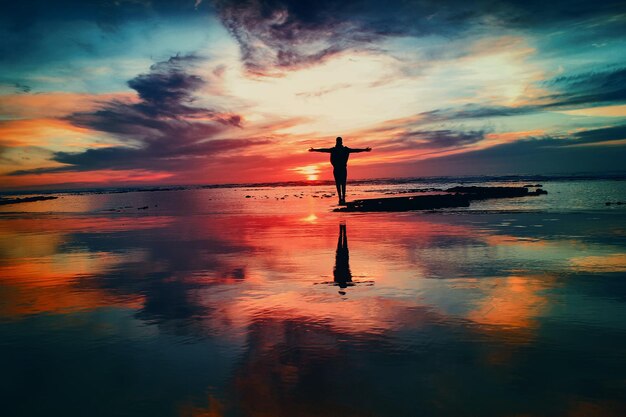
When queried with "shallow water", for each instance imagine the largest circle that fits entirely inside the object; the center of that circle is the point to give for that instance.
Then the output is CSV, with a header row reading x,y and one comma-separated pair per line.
x,y
564,196
208,303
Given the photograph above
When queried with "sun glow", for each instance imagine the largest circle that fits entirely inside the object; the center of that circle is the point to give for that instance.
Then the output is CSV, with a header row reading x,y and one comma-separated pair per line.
x,y
311,172
311,218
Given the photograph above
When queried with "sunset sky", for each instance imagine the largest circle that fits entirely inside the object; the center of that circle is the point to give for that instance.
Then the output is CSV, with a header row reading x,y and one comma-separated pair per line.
x,y
140,92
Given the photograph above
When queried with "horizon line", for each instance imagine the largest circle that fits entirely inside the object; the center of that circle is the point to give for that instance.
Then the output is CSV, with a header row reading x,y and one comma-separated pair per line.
x,y
105,189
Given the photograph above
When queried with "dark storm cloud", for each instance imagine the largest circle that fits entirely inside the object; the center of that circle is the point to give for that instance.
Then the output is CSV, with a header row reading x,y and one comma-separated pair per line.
x,y
284,34
570,92
574,153
428,139
472,111
163,129
152,157
277,35
588,88
287,34
168,87
601,135
166,94
165,113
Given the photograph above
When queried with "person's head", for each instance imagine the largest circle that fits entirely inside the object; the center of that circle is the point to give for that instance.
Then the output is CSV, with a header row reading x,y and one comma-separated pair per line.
x,y
339,141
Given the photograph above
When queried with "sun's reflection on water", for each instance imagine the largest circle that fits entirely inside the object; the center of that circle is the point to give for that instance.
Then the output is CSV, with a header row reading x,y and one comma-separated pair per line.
x,y
291,303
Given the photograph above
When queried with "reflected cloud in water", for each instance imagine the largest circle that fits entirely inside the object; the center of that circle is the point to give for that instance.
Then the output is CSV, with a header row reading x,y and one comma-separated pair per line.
x,y
224,312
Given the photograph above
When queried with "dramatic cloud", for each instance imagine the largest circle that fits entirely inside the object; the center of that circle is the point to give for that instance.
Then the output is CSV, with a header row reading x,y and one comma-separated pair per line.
x,y
606,134
592,88
413,79
435,139
163,130
472,111
538,155
287,34
277,35
574,91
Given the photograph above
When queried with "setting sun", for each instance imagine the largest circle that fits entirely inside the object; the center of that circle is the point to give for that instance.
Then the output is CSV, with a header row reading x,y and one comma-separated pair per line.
x,y
311,172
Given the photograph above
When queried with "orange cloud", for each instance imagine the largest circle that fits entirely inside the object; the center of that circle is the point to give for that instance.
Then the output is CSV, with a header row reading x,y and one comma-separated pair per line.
x,y
602,111
493,139
56,104
103,177
53,133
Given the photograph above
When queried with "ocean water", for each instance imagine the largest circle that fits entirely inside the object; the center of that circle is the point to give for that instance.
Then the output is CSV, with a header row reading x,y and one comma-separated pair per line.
x,y
564,196
262,301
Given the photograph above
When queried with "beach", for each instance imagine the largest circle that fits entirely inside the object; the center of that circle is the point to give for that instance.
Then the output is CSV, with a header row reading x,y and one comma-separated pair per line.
x,y
263,301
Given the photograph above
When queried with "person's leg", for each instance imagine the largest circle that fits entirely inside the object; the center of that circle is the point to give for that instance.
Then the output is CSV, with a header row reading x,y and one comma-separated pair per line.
x,y
344,177
337,176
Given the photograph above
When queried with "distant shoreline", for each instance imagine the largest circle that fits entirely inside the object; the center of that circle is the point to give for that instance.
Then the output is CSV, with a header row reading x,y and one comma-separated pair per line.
x,y
376,181
7,201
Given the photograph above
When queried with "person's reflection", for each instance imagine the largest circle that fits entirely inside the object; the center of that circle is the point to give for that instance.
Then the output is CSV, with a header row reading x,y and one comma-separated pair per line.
x,y
341,272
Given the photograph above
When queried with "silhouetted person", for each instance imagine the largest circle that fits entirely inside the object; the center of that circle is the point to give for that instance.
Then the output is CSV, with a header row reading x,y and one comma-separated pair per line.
x,y
341,272
339,155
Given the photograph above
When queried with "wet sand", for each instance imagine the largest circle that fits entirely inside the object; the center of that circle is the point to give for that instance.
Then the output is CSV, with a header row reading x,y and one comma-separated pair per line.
x,y
217,304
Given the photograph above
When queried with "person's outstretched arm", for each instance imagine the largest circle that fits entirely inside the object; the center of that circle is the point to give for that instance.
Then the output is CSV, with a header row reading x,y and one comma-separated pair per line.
x,y
357,150
320,149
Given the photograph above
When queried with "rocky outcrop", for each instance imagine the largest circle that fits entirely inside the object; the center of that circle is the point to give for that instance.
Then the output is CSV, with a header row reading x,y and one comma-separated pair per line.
x,y
457,197
483,193
424,202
